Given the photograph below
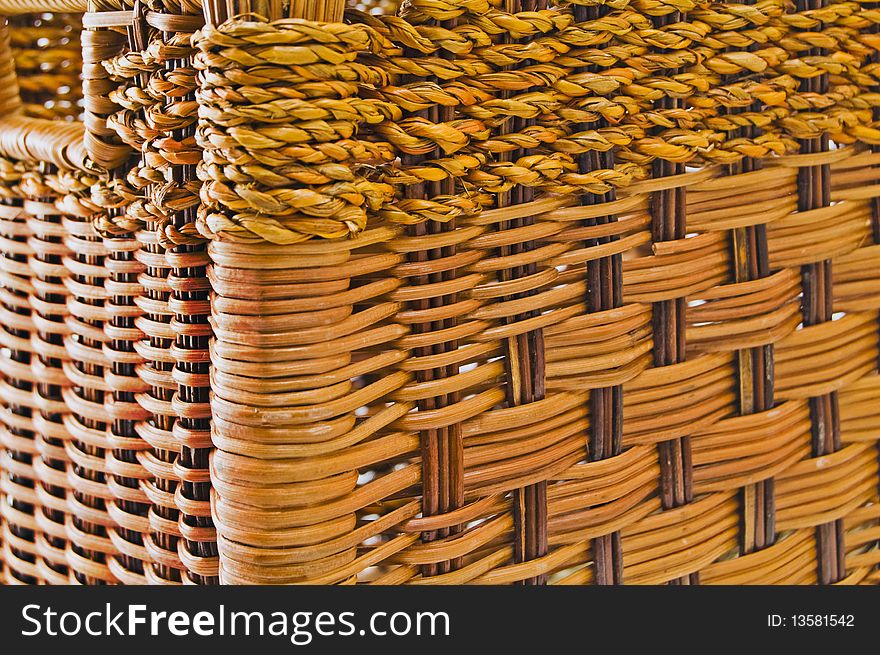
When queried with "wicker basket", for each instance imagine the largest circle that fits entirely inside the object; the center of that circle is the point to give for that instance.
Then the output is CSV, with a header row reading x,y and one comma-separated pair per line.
x,y
468,291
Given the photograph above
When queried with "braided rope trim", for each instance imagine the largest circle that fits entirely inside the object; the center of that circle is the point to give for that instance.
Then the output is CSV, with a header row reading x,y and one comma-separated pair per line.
x,y
303,123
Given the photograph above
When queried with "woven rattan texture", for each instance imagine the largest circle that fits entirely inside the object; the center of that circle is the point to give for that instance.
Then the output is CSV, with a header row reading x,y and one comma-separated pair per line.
x,y
481,291
158,120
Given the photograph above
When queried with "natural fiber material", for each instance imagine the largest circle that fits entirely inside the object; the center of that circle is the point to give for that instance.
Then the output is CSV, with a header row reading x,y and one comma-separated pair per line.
x,y
480,291
158,120
103,145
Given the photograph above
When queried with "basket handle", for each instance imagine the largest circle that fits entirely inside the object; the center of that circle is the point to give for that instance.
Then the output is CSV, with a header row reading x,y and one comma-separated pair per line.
x,y
16,7
34,139
10,100
88,146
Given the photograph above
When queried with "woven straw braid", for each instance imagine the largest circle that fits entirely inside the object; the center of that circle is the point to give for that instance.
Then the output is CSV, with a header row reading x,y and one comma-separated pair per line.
x,y
100,44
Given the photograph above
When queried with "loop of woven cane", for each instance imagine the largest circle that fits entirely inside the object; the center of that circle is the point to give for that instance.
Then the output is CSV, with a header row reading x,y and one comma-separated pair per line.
x,y
123,199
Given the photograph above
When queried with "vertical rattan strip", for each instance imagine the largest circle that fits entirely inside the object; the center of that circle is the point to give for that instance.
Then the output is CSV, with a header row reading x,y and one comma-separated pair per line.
x,y
89,530
668,223
755,365
524,353
135,126
814,191
441,448
187,257
189,301
171,157
604,291
155,323
189,298
17,435
131,506
49,302
755,384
